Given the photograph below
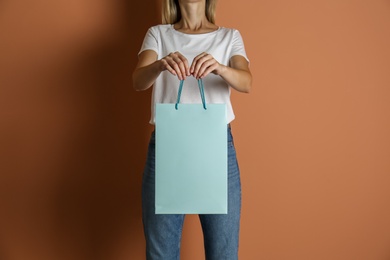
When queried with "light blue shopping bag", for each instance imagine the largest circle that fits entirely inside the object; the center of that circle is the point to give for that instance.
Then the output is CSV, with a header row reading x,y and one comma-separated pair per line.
x,y
191,157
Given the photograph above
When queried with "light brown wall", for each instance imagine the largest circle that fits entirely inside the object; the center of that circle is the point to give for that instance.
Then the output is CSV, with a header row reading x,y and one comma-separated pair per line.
x,y
312,137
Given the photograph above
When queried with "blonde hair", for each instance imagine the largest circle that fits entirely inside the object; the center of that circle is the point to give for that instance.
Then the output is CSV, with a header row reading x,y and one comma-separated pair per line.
x,y
171,11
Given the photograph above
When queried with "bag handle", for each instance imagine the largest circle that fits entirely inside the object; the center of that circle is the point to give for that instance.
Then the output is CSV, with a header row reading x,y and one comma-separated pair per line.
x,y
201,90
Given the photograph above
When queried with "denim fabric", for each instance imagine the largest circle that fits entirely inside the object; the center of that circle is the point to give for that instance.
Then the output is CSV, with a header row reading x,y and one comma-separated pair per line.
x,y
163,231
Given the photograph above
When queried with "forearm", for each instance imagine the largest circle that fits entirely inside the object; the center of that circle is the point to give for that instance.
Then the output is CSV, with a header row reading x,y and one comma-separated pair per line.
x,y
144,77
240,80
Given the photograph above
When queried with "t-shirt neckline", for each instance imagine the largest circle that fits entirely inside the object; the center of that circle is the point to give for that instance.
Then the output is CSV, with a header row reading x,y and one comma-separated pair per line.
x,y
195,34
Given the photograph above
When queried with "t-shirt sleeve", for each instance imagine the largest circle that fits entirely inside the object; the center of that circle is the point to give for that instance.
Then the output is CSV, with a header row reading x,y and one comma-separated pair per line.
x,y
150,41
238,47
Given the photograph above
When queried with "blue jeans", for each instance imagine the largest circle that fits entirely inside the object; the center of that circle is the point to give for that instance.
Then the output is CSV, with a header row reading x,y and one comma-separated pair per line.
x,y
163,231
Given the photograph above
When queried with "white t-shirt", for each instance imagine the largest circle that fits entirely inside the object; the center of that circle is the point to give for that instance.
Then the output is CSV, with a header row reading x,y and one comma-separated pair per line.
x,y
222,44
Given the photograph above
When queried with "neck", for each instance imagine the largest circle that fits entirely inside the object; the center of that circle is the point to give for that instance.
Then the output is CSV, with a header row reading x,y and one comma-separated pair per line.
x,y
193,16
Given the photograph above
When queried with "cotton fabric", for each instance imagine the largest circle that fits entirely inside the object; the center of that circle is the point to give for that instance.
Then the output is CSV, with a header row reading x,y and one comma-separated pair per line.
x,y
222,44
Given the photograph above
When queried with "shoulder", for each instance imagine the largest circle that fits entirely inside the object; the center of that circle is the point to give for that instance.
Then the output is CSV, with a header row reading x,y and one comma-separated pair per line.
x,y
160,28
232,32
228,30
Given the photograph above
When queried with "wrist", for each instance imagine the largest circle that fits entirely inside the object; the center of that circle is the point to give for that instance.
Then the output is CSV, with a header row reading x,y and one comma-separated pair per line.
x,y
222,70
159,65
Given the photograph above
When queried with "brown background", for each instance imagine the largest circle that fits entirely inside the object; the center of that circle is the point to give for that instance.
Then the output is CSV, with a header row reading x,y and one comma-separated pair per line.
x,y
312,137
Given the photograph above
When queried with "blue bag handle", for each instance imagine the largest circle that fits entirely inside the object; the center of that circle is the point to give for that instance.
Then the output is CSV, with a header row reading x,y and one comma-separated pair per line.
x,y
201,90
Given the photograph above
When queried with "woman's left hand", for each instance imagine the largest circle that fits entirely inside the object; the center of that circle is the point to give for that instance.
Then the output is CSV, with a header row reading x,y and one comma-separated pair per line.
x,y
204,64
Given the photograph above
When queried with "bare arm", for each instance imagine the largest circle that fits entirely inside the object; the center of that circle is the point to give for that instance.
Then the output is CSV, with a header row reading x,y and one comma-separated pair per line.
x,y
237,74
149,68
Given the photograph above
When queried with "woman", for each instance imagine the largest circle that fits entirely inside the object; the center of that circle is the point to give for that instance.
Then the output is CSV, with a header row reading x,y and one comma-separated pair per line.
x,y
189,46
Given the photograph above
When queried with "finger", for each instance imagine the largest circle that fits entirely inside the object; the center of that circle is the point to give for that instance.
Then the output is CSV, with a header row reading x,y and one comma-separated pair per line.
x,y
185,63
205,66
170,69
176,67
182,63
171,62
166,66
208,71
199,64
181,66
195,61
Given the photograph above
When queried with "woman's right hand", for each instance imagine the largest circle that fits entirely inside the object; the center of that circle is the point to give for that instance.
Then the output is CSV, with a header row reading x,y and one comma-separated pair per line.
x,y
176,64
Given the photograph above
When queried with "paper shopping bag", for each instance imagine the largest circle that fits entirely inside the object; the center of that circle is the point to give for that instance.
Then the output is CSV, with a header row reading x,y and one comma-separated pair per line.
x,y
191,157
